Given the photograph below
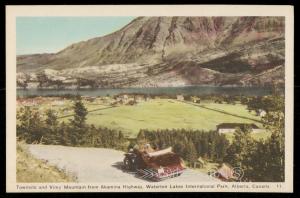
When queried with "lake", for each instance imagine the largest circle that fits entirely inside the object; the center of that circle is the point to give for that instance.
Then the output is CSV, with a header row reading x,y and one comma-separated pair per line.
x,y
189,90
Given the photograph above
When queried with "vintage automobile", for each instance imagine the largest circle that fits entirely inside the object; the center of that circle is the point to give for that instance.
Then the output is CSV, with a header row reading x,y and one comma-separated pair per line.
x,y
154,165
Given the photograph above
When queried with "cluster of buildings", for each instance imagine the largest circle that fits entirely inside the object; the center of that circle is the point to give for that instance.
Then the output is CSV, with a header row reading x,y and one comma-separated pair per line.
x,y
130,99
27,102
194,99
122,99
31,101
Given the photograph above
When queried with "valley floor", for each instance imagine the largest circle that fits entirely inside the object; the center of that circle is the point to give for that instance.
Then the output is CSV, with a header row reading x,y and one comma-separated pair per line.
x,y
168,114
158,114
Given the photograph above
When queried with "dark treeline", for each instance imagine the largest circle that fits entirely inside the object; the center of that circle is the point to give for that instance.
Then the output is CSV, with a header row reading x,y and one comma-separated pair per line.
x,y
218,98
33,128
189,144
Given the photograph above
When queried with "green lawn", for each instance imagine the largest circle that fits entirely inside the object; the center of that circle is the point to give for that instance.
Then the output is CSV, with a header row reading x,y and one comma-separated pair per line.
x,y
233,109
160,114
165,113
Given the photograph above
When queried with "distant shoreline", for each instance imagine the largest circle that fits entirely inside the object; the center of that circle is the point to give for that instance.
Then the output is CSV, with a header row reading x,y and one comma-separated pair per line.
x,y
181,86
184,90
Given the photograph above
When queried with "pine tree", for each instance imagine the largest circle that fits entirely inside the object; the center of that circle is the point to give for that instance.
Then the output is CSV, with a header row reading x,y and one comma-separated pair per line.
x,y
78,122
24,118
93,135
274,122
51,130
191,153
80,114
51,119
241,150
64,134
179,148
221,147
30,127
42,79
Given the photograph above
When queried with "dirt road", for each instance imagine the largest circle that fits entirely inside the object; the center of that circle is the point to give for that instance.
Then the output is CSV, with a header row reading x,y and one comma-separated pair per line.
x,y
99,164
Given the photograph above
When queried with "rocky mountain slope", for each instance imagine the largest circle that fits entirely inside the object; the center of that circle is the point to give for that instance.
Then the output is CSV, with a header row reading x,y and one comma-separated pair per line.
x,y
171,51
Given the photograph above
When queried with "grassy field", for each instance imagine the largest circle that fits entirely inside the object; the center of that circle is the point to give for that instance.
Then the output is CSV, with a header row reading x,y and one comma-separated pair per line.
x,y
160,114
165,113
31,170
238,109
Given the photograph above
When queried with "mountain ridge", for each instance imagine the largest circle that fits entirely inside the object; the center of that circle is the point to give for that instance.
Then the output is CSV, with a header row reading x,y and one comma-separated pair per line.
x,y
190,50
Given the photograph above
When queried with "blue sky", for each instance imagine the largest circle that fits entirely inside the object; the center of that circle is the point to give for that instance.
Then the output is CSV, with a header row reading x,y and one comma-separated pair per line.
x,y
51,34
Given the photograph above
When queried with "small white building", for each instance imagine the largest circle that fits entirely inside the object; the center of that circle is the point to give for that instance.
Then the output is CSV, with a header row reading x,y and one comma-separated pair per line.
x,y
231,127
139,98
58,103
29,103
180,97
261,113
123,99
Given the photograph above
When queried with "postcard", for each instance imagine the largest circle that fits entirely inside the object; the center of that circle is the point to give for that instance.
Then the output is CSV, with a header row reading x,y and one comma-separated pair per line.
x,y
160,98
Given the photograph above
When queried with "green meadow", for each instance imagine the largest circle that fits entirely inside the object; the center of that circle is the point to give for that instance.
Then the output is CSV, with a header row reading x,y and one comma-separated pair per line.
x,y
167,113
160,114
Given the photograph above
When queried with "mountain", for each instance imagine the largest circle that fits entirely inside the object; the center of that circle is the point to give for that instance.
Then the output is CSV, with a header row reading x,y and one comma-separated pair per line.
x,y
173,51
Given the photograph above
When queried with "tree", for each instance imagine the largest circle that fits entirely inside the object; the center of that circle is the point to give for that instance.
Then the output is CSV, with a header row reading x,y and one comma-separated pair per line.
x,y
229,100
241,149
121,141
141,137
274,122
221,147
51,119
22,80
58,84
30,127
244,100
23,84
267,103
274,103
255,104
190,153
261,160
64,134
51,130
86,82
78,122
80,114
23,124
42,78
179,148
93,135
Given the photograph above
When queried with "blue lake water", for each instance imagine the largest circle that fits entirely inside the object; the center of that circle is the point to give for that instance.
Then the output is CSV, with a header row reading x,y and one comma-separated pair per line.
x,y
190,90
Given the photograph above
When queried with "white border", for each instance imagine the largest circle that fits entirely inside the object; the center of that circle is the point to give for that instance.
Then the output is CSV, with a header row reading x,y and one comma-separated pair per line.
x,y
150,10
